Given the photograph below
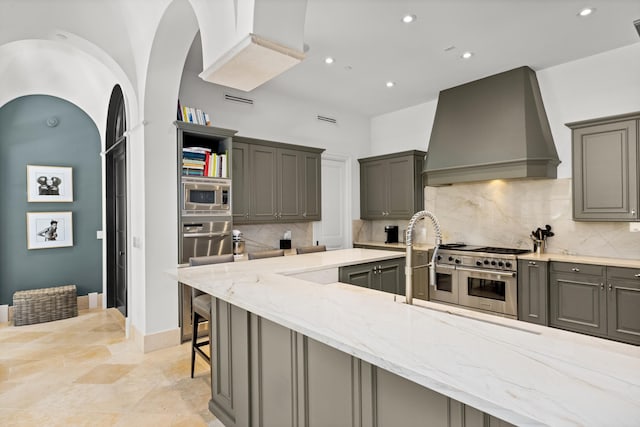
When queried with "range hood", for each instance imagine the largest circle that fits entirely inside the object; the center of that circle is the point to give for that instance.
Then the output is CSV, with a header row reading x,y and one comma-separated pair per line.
x,y
493,128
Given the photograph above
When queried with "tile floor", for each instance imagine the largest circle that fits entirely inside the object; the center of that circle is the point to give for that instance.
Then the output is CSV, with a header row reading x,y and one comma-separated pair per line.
x,y
84,372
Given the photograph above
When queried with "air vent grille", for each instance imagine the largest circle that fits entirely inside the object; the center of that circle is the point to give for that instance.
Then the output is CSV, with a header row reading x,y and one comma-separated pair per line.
x,y
326,119
239,99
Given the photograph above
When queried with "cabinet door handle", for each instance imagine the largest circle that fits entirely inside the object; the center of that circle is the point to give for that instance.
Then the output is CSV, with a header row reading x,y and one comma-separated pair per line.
x,y
602,286
575,269
610,287
633,212
304,214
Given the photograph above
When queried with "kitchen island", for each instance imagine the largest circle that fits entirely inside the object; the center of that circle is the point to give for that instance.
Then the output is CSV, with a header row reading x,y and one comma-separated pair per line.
x,y
287,337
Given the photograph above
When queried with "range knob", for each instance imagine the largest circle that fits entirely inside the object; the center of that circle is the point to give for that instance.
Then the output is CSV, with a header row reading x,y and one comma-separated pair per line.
x,y
478,263
508,264
457,261
486,262
450,258
439,257
500,263
493,263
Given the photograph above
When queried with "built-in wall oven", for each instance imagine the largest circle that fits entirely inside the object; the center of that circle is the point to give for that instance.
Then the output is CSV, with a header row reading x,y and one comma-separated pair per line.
x,y
205,235
478,277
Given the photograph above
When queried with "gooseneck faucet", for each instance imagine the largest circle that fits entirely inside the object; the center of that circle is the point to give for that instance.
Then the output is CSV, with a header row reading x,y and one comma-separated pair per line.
x,y
409,242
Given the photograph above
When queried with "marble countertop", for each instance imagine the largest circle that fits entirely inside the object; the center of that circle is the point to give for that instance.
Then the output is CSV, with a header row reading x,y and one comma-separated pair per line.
x,y
522,373
614,262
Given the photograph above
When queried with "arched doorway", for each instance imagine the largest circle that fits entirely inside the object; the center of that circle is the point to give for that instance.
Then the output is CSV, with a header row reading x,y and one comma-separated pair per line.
x,y
116,202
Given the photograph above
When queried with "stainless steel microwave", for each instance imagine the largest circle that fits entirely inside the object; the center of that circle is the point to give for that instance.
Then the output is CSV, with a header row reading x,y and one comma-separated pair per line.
x,y
206,196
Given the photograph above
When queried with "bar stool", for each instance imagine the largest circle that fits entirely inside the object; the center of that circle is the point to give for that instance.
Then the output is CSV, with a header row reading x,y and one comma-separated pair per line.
x,y
201,309
310,249
266,254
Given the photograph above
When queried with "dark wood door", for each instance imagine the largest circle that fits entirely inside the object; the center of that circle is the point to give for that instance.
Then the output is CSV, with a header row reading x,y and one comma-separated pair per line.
x,y
120,228
116,189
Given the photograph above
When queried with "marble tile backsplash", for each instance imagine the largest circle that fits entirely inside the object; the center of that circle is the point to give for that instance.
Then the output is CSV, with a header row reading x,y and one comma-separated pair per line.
x,y
263,237
503,213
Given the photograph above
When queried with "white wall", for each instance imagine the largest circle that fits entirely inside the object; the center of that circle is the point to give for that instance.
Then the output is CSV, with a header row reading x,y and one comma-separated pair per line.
x,y
406,129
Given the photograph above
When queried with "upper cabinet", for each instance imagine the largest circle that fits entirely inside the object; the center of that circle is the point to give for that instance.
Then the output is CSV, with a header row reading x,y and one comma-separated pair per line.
x,y
606,169
275,182
391,185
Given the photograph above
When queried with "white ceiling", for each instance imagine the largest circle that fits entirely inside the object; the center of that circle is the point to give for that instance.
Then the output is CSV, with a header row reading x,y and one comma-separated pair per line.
x,y
369,37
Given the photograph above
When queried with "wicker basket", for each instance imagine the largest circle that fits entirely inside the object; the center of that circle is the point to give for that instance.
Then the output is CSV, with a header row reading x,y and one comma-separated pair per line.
x,y
44,305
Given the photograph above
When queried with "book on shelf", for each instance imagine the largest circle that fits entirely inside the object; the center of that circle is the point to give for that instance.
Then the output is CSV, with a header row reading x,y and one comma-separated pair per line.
x,y
193,115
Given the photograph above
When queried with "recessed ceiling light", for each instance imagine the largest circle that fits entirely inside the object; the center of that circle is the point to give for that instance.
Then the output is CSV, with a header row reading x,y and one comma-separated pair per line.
x,y
407,19
466,55
390,84
586,11
328,60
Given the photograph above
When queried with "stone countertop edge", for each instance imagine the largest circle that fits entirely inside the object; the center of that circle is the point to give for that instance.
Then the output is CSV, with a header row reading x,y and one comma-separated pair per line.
x,y
522,373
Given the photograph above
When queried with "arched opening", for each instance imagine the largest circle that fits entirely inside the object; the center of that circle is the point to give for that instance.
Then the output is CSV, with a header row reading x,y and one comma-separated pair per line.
x,y
116,201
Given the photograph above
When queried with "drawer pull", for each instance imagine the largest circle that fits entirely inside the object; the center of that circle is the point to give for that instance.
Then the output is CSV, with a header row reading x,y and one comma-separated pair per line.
x,y
575,269
637,275
534,263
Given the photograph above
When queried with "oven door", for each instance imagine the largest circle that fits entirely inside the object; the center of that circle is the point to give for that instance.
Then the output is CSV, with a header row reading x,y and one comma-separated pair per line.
x,y
202,236
494,291
445,288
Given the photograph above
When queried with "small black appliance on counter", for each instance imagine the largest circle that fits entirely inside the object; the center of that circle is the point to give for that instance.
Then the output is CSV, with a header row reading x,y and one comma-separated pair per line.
x,y
392,233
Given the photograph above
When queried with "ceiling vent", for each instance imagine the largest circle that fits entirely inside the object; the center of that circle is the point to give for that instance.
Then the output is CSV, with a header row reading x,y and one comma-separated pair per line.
x,y
326,119
239,99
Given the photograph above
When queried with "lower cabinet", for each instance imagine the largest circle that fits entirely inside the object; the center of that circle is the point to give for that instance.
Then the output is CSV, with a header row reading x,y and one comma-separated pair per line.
x,y
388,276
596,300
533,283
623,304
270,376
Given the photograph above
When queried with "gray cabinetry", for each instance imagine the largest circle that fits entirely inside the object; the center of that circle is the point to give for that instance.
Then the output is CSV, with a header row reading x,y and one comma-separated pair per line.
x,y
240,200
577,298
623,304
230,394
266,375
596,300
606,169
533,283
281,182
391,185
387,276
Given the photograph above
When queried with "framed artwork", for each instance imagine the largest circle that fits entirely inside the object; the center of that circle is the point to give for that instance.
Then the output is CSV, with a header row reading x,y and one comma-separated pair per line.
x,y
49,230
49,184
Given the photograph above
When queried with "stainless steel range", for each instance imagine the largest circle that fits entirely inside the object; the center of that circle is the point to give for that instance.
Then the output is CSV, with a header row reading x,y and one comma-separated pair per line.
x,y
478,277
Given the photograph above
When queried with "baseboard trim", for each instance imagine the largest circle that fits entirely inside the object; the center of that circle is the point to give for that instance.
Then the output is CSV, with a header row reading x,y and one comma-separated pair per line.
x,y
156,341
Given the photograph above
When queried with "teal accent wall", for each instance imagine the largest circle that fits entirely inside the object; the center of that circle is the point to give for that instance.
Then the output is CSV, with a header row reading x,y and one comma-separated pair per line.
x,y
26,139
